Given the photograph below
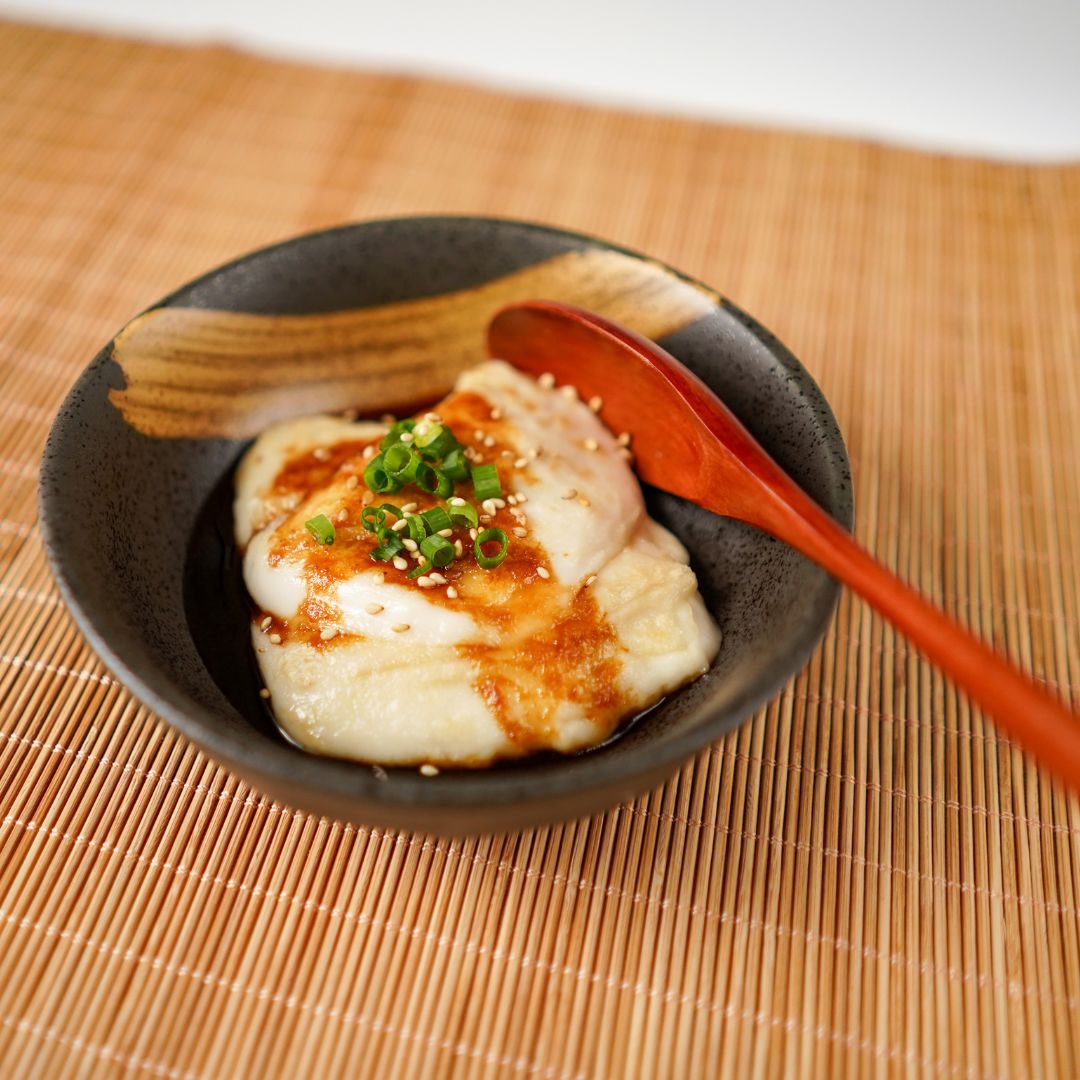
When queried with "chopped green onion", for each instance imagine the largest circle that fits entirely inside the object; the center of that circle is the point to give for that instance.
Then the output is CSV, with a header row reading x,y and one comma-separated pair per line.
x,y
464,515
416,526
486,536
485,482
377,478
434,482
373,518
437,443
445,486
389,545
419,569
393,436
439,550
322,528
402,463
436,519
455,465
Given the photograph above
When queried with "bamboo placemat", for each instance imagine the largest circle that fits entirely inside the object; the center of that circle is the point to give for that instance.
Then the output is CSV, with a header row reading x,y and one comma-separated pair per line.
x,y
865,878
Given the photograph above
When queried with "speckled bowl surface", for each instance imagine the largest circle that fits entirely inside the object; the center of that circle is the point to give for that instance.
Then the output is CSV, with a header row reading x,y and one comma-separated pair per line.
x,y
136,487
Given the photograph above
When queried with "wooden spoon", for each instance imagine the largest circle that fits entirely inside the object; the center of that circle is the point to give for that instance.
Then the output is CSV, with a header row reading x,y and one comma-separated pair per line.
x,y
686,441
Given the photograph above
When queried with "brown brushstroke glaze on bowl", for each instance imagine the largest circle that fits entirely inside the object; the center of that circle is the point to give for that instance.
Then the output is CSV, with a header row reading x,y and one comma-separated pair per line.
x,y
135,491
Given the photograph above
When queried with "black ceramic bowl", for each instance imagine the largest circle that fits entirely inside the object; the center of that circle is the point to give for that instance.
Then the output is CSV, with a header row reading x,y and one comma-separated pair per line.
x,y
135,488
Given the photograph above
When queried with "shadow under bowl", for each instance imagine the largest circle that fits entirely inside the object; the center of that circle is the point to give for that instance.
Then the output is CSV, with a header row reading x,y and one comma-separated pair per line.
x,y
135,494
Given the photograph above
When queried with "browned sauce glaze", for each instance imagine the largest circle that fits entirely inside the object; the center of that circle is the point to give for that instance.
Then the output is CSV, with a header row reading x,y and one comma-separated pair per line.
x,y
555,644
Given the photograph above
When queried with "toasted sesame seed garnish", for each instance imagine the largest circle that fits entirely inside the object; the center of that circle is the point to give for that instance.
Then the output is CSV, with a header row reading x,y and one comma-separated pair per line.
x,y
437,577
519,516
342,515
496,413
410,545
547,380
470,453
478,459
320,453
458,549
373,608
473,534
535,452
368,498
506,453
568,391
266,623
522,497
352,483
584,502
405,437
591,444
445,533
428,770
425,582
457,501
571,494
451,592
400,628
275,639
544,572
433,418
589,580
489,441
416,556
520,532
264,693
409,508
400,524
388,418
421,429
379,578
369,451
512,500
596,403
488,506
485,519
624,439
400,563
520,463
500,504
478,435
328,633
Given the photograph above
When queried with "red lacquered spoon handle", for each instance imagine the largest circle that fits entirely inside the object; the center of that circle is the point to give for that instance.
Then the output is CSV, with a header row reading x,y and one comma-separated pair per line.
x,y
1038,721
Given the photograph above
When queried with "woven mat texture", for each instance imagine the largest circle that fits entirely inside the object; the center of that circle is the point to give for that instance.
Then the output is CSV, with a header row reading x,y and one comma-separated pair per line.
x,y
865,879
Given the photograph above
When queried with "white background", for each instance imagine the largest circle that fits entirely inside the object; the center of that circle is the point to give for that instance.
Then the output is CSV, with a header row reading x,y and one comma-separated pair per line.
x,y
981,76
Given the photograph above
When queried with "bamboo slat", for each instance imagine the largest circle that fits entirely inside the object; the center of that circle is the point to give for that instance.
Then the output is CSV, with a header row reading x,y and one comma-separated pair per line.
x,y
865,879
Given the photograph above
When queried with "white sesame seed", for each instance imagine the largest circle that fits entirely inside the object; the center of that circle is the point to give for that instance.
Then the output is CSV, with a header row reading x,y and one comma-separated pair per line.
x,y
433,418
373,609
496,414
520,463
275,639
478,459
425,582
571,494
400,524
320,453
342,515
445,532
400,563
535,452
589,580
369,451
456,501
266,623
352,483
417,555
428,770
437,577
485,519
406,437
410,545
421,429
489,441
451,592
596,403
400,628
624,439
500,504
568,391
506,453
519,517
409,508
543,572
379,578
584,502
478,435
512,500
458,549
473,534
264,693
547,380
522,497
328,633
520,533
488,506
368,499
591,444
